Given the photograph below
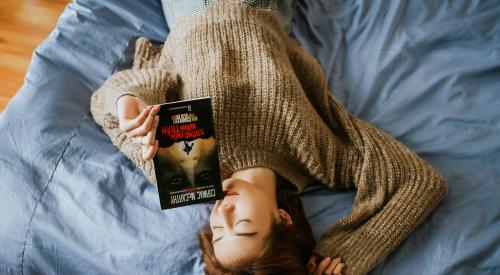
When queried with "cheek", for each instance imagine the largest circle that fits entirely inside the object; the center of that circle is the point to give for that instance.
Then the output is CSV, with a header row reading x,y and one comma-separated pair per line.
x,y
212,217
245,207
256,211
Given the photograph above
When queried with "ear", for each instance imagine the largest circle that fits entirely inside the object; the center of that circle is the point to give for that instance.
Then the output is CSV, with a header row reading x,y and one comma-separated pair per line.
x,y
284,217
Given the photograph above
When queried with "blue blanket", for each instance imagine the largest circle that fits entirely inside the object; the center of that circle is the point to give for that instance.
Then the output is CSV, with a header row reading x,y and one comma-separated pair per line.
x,y
425,71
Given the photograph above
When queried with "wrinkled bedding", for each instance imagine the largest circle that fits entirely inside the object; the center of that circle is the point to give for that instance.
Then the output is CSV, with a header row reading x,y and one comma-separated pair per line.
x,y
426,71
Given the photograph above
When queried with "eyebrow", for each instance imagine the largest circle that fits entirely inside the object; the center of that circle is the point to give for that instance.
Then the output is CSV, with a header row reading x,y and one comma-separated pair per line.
x,y
237,234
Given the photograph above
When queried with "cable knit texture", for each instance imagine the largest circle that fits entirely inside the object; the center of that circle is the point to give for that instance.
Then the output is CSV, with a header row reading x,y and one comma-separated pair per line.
x,y
272,108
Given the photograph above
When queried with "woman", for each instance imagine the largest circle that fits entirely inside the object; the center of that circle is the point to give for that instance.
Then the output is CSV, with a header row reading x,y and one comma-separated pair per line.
x,y
260,228
274,118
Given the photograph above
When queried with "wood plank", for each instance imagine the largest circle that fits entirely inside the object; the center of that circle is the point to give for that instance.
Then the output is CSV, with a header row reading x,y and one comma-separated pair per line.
x,y
24,24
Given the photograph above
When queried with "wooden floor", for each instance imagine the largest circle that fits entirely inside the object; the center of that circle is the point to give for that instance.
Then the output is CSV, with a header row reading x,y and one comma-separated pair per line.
x,y
24,24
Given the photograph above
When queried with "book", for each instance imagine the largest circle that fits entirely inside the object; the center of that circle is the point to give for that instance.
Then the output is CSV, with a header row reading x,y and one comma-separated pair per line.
x,y
187,160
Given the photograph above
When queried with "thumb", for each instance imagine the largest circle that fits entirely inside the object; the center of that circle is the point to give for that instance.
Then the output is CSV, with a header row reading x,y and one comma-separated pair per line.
x,y
149,151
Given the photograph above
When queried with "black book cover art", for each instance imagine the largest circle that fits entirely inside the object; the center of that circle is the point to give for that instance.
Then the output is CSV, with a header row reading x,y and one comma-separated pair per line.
x,y
187,162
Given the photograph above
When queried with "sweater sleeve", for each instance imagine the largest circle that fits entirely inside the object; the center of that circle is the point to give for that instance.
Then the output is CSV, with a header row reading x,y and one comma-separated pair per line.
x,y
395,189
151,85
313,82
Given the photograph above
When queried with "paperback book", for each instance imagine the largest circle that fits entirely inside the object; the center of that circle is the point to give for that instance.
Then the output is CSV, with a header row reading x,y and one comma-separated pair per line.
x,y
187,161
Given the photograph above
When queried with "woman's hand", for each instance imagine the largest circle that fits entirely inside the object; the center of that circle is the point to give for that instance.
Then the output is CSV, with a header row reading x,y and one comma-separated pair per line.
x,y
139,123
326,266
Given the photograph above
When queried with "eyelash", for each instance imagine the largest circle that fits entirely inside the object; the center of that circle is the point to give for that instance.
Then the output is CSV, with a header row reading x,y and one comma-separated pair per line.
x,y
220,227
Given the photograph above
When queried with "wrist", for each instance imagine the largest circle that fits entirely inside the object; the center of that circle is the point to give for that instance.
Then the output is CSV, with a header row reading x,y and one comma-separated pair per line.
x,y
125,98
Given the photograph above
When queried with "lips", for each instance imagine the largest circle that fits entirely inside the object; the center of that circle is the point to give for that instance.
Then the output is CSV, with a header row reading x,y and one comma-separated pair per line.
x,y
230,193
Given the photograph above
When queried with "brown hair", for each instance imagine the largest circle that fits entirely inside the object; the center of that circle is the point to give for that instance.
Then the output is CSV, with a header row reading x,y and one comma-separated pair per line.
x,y
289,246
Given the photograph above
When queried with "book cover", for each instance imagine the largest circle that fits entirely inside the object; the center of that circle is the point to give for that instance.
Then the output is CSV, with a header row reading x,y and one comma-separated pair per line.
x,y
187,161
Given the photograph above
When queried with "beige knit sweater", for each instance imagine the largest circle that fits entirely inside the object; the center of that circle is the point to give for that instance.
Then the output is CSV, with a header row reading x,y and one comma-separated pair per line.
x,y
272,108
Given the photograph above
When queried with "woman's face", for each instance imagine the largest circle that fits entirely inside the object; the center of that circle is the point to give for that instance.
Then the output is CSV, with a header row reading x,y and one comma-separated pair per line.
x,y
241,221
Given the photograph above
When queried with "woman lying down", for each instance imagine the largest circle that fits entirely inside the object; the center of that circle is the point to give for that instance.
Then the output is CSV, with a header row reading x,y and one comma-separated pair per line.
x,y
278,129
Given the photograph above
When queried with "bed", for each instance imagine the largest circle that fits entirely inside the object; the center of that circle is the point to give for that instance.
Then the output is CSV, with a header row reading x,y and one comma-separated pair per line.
x,y
425,71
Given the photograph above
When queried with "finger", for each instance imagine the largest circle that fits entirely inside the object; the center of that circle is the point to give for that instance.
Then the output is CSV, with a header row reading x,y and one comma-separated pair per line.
x,y
127,124
315,258
148,139
333,264
322,266
148,152
142,128
152,132
338,269
311,264
146,125
154,126
156,122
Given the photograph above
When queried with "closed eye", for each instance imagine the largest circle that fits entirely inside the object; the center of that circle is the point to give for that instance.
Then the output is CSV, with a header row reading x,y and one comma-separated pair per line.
x,y
240,221
249,234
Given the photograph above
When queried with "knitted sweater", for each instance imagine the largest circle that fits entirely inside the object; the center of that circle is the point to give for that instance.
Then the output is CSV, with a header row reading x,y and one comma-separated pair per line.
x,y
272,108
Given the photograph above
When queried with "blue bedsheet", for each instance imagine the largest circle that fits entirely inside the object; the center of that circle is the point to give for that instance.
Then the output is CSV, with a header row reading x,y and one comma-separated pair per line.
x,y
426,71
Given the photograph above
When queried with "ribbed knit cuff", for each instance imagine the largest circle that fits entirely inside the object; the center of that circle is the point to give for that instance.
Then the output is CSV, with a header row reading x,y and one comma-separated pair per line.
x,y
149,85
125,83
364,247
146,54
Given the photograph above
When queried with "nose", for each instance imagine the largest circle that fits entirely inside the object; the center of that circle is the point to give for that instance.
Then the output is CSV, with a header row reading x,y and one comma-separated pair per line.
x,y
226,208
